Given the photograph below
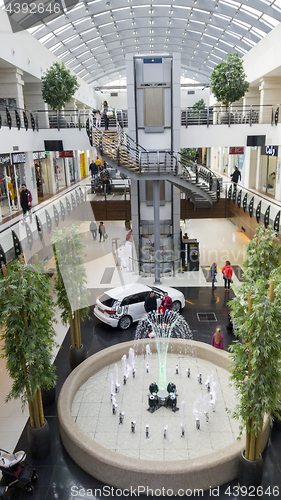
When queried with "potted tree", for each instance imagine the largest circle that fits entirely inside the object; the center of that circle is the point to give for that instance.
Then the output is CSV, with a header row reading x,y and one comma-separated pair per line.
x,y
70,286
197,113
58,87
228,82
27,318
256,356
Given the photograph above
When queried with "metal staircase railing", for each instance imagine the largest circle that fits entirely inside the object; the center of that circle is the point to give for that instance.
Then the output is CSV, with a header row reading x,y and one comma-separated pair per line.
x,y
199,181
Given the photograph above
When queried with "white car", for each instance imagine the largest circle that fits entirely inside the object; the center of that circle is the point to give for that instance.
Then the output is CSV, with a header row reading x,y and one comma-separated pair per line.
x,y
123,305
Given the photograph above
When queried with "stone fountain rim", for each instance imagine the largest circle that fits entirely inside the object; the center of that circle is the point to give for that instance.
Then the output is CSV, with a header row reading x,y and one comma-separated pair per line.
x,y
122,471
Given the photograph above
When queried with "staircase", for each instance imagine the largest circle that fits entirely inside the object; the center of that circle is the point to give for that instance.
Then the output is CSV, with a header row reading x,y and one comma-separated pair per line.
x,y
118,149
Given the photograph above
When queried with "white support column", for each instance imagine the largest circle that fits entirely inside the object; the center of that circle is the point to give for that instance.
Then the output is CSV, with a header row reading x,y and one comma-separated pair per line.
x,y
34,102
11,85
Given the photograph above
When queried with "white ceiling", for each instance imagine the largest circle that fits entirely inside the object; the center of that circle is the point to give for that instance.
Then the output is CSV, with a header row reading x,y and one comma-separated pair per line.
x,y
93,37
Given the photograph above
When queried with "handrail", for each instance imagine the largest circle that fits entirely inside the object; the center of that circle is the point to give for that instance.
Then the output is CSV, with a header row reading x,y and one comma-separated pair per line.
x,y
236,114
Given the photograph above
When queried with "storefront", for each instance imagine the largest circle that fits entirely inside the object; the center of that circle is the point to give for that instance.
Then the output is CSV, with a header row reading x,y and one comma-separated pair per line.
x,y
5,161
268,165
42,174
69,164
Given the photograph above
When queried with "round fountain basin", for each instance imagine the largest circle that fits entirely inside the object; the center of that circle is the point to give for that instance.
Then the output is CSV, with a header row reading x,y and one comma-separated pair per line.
x,y
109,451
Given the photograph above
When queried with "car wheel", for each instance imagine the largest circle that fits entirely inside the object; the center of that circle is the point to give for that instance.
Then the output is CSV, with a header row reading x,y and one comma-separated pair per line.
x,y
125,322
176,306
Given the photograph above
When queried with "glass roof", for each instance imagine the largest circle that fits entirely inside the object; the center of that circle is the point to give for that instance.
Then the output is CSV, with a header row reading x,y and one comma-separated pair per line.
x,y
93,37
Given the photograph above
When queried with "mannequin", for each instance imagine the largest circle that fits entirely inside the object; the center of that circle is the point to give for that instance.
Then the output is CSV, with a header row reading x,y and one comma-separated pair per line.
x,y
11,192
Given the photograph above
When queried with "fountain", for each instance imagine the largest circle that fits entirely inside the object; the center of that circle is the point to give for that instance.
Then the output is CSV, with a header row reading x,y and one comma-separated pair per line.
x,y
163,327
133,451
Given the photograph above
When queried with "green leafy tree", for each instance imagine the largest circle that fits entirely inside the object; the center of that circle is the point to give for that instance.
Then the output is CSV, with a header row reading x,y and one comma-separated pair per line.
x,y
187,155
228,80
58,86
70,285
256,357
27,319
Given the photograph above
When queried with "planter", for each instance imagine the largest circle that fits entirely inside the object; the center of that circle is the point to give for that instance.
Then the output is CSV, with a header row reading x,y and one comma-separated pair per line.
x,y
39,440
250,471
48,396
76,356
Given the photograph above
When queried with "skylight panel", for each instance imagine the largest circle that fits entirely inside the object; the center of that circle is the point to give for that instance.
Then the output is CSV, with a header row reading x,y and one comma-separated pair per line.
x,y
46,38
246,26
222,16
63,54
55,47
230,3
277,5
248,42
62,29
257,32
269,21
250,11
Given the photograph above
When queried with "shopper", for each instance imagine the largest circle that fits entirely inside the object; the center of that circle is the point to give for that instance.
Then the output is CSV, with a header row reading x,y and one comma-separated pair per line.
x,y
102,231
217,339
26,202
104,111
214,272
93,168
98,118
236,175
227,272
166,303
150,303
93,229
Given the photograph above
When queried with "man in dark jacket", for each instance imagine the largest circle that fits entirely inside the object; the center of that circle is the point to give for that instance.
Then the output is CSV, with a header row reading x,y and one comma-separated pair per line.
x,y
26,202
150,302
93,169
236,175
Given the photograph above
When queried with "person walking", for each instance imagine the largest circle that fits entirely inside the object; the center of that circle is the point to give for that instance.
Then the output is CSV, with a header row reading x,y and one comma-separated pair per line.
x,y
104,111
93,169
150,303
166,304
26,202
214,272
236,175
98,118
227,272
102,231
93,229
217,339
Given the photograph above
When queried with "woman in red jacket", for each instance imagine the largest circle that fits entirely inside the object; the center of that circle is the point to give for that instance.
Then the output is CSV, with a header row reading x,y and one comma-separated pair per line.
x,y
227,272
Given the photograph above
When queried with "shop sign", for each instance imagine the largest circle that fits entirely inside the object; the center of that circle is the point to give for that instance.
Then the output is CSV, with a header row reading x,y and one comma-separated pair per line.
x,y
269,151
66,154
5,160
236,150
39,155
18,157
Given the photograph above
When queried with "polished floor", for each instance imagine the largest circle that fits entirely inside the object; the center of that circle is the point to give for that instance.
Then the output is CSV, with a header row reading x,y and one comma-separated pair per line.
x,y
59,477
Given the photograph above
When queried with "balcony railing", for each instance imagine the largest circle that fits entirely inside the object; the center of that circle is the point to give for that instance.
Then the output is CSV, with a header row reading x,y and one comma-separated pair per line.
x,y
235,115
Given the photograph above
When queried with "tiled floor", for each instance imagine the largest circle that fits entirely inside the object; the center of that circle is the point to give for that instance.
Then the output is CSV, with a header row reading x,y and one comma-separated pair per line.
x,y
219,240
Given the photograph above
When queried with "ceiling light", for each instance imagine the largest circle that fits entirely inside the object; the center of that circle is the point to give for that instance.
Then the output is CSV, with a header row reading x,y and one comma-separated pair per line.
x,y
165,46
135,32
171,11
108,4
112,16
87,10
180,48
118,35
151,11
151,21
151,31
166,39
169,21
152,39
151,46
136,40
168,32
131,12
115,27
133,22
